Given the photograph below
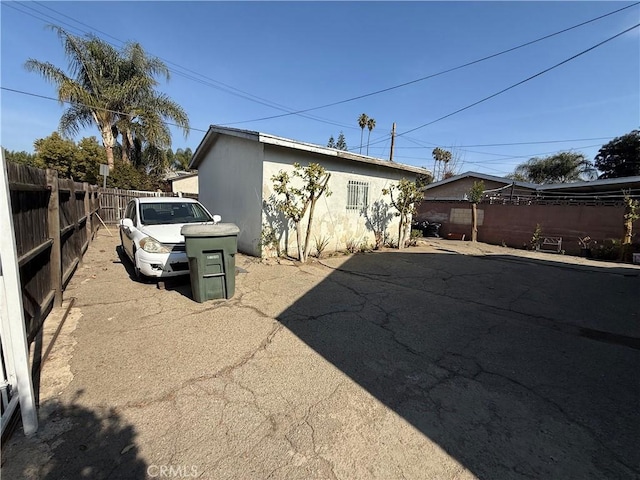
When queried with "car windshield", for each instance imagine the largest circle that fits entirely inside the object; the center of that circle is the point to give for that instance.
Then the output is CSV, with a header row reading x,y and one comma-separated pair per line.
x,y
163,213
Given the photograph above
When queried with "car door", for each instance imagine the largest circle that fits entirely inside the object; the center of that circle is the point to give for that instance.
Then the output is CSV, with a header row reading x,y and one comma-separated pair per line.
x,y
127,232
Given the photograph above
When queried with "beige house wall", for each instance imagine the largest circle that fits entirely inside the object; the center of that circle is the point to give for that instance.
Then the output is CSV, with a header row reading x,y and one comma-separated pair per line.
x,y
235,181
332,219
186,185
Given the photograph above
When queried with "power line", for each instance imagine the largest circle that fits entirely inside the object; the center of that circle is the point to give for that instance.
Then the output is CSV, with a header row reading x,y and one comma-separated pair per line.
x,y
509,144
386,137
480,162
531,155
87,106
248,96
488,57
519,83
506,158
23,5
207,82
530,143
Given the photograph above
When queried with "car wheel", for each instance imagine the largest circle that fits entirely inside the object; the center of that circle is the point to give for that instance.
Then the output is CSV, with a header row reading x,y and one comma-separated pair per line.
x,y
123,252
139,275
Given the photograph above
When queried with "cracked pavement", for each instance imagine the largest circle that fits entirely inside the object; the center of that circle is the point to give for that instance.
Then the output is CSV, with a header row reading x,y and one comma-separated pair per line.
x,y
445,361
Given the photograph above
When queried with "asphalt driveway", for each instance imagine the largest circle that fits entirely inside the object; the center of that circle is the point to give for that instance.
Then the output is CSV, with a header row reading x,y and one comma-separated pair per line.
x,y
447,361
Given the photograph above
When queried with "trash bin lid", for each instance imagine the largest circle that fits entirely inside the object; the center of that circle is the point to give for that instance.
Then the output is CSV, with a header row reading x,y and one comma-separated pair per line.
x,y
210,230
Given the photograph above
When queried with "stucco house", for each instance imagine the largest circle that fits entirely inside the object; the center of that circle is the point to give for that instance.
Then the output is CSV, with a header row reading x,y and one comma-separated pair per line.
x,y
235,168
457,187
185,182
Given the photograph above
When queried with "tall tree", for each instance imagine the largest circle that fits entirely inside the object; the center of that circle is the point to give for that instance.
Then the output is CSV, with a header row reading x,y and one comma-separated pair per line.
x,y
564,167
113,90
440,156
57,153
145,112
371,124
181,158
25,158
92,88
620,157
88,159
341,143
331,143
362,121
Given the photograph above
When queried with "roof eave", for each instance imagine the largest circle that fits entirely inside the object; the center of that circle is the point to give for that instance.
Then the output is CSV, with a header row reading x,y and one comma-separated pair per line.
x,y
215,131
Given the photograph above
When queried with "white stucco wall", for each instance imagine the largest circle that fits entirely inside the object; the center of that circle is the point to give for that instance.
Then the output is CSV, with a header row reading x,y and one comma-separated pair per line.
x,y
229,184
332,219
187,185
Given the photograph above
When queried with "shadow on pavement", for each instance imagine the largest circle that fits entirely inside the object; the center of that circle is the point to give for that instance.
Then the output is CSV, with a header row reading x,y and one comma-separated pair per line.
x,y
82,444
179,284
488,356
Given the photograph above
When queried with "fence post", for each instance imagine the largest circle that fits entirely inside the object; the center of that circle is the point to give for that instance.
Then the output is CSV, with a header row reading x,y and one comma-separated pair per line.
x,y
117,203
87,210
94,206
13,328
53,222
77,244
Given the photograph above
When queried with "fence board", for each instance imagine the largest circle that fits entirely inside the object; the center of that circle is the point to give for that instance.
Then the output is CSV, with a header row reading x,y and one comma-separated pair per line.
x,y
113,201
53,228
53,224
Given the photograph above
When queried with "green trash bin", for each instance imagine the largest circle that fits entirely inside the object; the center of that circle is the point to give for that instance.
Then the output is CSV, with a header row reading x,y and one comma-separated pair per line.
x,y
211,250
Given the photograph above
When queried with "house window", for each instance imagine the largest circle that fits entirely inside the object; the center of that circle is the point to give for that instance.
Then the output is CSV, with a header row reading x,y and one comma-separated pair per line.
x,y
357,195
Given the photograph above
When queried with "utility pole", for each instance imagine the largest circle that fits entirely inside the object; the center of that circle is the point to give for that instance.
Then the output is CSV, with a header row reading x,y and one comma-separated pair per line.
x,y
393,138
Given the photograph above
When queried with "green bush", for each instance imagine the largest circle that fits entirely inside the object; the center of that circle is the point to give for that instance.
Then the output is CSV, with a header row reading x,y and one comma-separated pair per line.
x,y
607,250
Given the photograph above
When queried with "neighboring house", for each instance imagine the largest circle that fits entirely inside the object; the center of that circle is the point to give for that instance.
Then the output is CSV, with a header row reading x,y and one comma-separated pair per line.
x,y
185,182
512,210
234,176
604,187
457,187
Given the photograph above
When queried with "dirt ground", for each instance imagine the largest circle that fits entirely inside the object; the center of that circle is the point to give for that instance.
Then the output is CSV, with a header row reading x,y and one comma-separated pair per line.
x,y
444,361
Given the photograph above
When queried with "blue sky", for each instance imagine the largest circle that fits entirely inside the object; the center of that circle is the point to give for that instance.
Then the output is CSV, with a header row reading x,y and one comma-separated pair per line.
x,y
301,55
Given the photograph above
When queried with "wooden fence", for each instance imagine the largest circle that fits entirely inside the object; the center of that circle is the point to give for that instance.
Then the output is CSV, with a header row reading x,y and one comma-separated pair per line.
x,y
54,221
113,201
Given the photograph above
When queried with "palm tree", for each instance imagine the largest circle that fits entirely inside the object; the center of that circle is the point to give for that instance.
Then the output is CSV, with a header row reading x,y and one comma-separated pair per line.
x,y
371,124
112,90
362,121
145,113
92,93
563,167
440,155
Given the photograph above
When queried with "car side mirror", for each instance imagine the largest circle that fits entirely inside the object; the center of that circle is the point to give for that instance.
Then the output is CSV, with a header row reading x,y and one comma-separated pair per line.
x,y
217,219
126,222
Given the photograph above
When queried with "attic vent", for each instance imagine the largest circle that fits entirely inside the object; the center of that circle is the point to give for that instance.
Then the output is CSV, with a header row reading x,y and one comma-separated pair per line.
x,y
357,195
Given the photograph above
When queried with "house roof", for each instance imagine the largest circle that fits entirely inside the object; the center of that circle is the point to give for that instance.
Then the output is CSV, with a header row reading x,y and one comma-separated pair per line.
x,y
182,175
603,184
482,176
215,131
631,184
